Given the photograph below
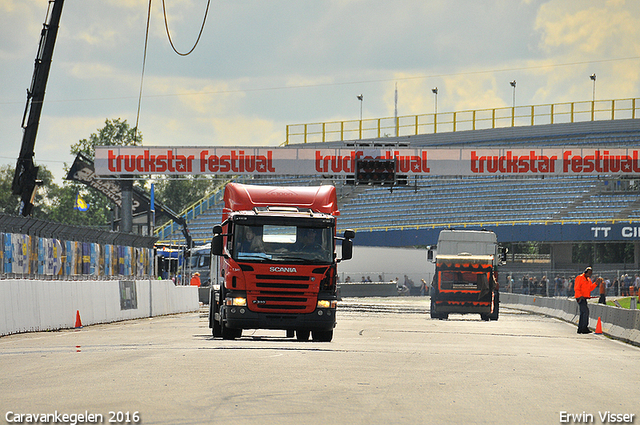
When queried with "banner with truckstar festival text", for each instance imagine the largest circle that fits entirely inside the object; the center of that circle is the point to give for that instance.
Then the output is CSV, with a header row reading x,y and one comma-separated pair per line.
x,y
126,160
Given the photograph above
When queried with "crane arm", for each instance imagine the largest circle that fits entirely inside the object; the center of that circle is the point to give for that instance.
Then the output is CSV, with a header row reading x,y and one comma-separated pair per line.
x,y
26,174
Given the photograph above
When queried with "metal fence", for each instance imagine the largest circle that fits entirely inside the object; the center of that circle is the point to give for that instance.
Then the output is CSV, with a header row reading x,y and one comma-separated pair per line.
x,y
38,249
411,125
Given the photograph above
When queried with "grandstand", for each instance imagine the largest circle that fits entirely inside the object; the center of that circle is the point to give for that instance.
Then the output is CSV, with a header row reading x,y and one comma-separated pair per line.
x,y
380,214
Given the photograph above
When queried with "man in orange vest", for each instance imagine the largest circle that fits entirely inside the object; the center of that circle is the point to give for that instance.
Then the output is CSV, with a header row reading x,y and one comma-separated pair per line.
x,y
583,287
195,280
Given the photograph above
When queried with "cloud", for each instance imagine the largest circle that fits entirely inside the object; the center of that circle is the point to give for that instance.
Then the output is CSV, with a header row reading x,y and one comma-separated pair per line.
x,y
609,28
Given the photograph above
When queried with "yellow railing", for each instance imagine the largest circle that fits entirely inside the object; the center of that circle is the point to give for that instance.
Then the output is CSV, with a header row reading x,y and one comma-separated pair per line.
x,y
192,211
411,125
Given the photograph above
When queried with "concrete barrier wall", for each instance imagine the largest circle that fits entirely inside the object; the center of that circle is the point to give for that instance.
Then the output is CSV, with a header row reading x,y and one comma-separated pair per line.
x,y
619,323
37,305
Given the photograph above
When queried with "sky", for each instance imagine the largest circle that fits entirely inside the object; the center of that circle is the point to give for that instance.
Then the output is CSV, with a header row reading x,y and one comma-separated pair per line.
x,y
263,64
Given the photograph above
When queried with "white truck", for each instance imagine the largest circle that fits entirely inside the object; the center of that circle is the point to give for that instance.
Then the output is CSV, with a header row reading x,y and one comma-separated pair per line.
x,y
466,275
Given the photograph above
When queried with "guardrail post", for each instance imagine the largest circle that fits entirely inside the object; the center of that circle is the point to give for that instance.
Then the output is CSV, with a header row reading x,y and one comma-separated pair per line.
x,y
474,119
341,130
571,111
513,116
552,113
360,131
613,109
286,141
593,109
454,121
305,133
417,124
493,118
533,114
324,131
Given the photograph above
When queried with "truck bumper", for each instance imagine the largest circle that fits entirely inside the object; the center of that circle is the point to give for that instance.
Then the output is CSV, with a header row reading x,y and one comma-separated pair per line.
x,y
463,307
322,319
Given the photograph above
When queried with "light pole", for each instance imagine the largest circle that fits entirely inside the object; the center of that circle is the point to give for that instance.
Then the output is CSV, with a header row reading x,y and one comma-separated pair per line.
x,y
360,98
513,84
593,98
435,101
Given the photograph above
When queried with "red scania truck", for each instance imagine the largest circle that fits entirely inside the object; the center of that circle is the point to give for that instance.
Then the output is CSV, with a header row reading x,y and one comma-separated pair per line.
x,y
277,268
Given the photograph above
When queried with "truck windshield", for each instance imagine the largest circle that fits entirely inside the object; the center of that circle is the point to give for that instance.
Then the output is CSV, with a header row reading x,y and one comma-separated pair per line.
x,y
200,259
283,243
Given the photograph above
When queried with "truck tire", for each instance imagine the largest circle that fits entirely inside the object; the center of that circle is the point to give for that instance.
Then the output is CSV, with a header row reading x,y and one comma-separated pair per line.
x,y
432,310
322,336
230,333
214,307
434,313
302,335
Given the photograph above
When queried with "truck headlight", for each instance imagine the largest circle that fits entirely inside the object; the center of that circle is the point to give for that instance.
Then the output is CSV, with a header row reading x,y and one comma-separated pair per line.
x,y
237,301
327,303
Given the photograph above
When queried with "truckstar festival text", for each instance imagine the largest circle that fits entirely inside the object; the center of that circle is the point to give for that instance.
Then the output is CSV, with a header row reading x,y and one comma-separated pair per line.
x,y
112,160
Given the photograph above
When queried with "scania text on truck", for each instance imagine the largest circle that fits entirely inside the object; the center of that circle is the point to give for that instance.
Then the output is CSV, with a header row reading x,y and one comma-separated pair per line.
x,y
466,275
277,261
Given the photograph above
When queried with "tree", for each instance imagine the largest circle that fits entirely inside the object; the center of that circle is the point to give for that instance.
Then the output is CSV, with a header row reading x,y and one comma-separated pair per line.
x,y
8,201
114,133
180,192
43,205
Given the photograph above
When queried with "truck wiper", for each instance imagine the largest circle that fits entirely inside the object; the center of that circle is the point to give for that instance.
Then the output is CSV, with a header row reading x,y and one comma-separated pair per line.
x,y
254,256
294,258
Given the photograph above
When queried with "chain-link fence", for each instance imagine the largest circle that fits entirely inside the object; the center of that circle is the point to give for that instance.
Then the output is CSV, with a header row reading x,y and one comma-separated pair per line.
x,y
38,249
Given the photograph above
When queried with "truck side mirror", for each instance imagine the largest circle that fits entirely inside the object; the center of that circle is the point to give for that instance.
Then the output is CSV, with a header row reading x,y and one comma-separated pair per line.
x,y
347,249
430,253
347,244
217,242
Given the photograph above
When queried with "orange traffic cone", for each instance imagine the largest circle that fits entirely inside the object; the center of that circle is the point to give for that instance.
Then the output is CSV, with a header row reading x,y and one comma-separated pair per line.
x,y
78,321
599,327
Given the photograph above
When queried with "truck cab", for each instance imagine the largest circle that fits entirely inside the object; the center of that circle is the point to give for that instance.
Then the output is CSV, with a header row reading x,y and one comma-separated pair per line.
x,y
466,276
277,261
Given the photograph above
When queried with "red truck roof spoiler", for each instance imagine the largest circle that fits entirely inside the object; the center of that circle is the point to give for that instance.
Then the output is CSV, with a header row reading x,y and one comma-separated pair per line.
x,y
242,197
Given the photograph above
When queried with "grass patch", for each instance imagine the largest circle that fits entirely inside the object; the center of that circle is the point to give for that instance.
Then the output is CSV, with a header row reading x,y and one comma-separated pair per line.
x,y
624,302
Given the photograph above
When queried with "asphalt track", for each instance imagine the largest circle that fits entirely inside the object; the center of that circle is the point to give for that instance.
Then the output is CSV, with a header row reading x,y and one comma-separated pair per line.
x,y
389,363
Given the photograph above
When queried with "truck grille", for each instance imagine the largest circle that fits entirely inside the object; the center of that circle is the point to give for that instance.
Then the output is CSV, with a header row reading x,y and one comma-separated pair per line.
x,y
281,293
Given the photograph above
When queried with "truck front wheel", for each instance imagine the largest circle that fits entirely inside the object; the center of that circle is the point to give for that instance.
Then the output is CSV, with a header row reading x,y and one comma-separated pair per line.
x,y
302,335
230,333
322,336
214,309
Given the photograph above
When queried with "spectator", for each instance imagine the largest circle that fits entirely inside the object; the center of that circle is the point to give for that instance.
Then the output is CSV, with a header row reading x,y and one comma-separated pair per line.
x,y
603,292
583,287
